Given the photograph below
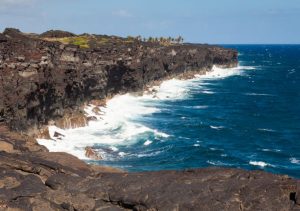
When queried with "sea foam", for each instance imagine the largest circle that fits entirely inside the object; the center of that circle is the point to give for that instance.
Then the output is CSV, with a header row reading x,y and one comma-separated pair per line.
x,y
260,163
117,122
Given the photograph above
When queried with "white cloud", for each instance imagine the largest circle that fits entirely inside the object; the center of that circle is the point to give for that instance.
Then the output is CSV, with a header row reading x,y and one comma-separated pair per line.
x,y
122,13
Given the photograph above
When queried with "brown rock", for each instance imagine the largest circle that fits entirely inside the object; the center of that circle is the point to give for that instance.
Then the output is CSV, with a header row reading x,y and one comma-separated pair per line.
x,y
6,147
98,102
44,133
58,135
96,110
91,118
9,183
72,121
92,154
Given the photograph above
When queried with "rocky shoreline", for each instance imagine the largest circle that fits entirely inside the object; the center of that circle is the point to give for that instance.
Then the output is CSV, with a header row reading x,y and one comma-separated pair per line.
x,y
44,80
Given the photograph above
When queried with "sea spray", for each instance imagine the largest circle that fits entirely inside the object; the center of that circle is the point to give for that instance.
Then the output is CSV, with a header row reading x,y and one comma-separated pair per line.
x,y
117,123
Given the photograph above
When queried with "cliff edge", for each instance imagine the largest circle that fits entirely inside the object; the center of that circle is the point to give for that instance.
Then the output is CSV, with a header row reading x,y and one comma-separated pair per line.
x,y
42,77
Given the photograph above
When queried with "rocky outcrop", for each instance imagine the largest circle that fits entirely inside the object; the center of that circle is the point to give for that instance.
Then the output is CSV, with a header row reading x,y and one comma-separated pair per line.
x,y
44,80
57,181
31,178
57,34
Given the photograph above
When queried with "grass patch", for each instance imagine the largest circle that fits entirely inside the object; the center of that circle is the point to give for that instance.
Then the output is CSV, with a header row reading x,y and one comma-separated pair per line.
x,y
81,41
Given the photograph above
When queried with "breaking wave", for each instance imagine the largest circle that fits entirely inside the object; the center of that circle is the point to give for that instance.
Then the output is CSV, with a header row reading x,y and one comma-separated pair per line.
x,y
119,123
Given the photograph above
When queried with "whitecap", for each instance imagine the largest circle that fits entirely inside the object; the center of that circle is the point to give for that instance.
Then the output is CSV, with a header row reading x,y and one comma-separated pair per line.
x,y
260,163
271,150
122,154
201,107
266,130
294,160
207,92
217,163
147,143
257,94
113,148
196,145
216,127
152,154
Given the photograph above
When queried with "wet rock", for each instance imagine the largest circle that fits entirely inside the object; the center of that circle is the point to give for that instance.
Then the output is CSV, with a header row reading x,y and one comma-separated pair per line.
x,y
72,121
92,154
96,110
43,133
91,118
58,135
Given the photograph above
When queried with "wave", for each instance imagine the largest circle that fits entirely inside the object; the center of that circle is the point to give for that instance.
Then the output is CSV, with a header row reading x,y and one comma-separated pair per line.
x,y
218,163
294,160
260,164
208,92
258,94
216,127
147,143
266,130
118,123
271,150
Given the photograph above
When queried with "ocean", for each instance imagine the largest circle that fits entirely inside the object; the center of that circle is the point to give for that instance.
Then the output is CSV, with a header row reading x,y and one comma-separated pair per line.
x,y
246,117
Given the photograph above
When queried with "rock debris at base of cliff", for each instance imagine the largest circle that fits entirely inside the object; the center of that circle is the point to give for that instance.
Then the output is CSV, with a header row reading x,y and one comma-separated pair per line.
x,y
44,77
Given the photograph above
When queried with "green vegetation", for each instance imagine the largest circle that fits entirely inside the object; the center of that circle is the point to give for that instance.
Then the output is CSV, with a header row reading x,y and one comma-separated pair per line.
x,y
81,41
85,41
162,40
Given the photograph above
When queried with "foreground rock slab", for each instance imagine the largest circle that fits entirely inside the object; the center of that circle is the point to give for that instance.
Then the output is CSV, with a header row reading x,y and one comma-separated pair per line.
x,y
31,178
58,181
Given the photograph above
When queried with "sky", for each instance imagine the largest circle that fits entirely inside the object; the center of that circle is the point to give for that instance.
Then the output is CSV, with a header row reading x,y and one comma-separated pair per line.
x,y
198,21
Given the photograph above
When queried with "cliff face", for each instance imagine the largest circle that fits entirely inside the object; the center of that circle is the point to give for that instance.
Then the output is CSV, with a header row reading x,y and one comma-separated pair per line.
x,y
41,79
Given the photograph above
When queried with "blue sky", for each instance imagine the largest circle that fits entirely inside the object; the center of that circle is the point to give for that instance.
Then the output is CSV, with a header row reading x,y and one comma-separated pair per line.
x,y
211,21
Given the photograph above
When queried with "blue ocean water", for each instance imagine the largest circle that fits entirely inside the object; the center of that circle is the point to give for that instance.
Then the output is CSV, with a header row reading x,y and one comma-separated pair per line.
x,y
246,117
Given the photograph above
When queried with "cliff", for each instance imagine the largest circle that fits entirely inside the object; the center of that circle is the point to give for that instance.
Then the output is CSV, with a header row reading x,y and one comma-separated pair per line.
x,y
41,78
45,77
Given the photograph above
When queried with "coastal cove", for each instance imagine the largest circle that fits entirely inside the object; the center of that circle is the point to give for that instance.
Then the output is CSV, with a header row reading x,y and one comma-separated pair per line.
x,y
159,129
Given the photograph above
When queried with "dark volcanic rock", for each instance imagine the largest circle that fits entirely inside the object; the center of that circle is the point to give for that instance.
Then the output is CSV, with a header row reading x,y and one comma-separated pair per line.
x,y
38,182
41,80
57,34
